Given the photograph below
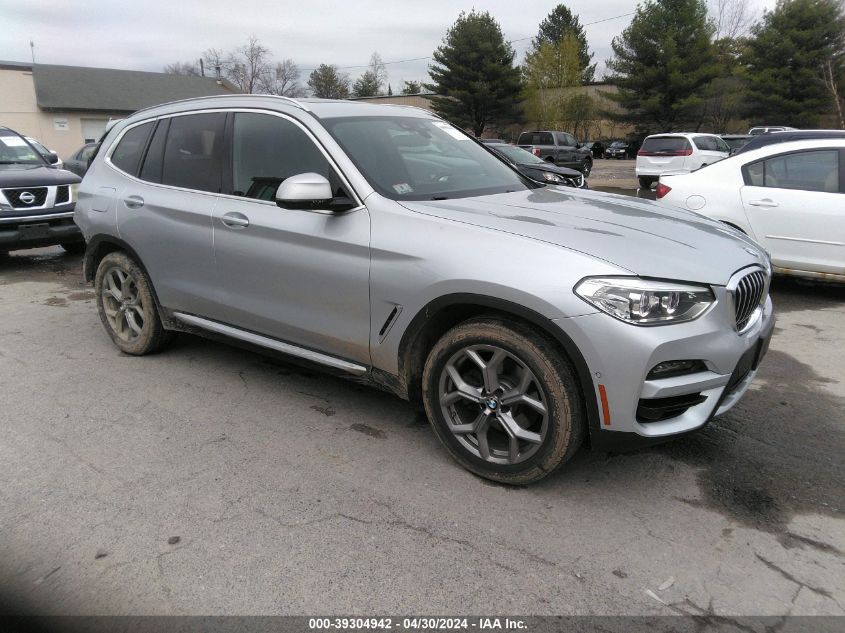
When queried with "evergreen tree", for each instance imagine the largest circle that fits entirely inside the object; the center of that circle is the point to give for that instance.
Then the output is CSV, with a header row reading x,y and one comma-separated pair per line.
x,y
473,74
792,55
662,64
327,83
412,88
367,85
557,25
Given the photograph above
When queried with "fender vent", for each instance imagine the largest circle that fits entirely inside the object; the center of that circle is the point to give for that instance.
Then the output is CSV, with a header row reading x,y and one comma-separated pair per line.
x,y
388,323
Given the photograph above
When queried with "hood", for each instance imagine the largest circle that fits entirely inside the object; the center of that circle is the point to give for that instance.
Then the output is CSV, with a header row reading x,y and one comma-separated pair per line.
x,y
35,176
563,171
640,236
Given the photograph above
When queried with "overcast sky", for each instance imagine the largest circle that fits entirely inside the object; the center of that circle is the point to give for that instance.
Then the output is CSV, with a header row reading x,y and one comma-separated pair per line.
x,y
147,34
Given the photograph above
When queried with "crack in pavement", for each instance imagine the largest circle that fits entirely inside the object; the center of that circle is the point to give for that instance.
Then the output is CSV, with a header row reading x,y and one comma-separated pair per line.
x,y
817,590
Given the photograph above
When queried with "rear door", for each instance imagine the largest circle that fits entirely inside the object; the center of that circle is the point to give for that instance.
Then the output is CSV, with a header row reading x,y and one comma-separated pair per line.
x,y
165,212
711,149
796,207
297,275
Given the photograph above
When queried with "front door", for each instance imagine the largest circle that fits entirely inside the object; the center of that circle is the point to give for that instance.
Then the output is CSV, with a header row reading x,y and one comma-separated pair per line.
x,y
300,276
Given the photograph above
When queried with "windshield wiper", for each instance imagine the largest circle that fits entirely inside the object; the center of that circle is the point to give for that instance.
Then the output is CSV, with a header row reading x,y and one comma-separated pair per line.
x,y
440,197
12,162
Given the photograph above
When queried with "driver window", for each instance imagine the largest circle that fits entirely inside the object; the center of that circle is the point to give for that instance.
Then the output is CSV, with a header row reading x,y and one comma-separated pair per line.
x,y
266,150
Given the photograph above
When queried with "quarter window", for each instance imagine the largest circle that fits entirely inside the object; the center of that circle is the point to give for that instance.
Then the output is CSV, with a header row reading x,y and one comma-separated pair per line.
x,y
816,170
268,149
193,152
127,154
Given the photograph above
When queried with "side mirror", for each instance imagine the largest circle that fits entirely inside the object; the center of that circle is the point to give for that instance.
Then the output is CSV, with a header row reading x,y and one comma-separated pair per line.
x,y
52,158
304,191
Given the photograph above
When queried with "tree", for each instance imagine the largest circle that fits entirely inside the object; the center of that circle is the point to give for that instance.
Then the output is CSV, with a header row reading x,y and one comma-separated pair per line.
x,y
797,47
378,70
366,85
547,71
249,66
662,64
473,74
327,83
731,18
412,88
190,69
283,80
559,24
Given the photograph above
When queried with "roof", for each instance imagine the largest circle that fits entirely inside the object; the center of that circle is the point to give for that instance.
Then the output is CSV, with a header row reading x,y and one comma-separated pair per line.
x,y
762,140
113,90
319,108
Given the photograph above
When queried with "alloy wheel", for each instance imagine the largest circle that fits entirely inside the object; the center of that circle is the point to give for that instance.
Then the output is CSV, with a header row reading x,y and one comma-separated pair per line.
x,y
122,303
493,404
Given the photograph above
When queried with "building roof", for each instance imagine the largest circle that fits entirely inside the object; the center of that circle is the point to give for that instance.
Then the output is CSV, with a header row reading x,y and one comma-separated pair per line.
x,y
113,90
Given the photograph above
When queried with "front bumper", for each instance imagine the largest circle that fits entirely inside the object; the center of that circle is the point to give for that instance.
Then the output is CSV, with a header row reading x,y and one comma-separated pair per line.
x,y
620,356
44,229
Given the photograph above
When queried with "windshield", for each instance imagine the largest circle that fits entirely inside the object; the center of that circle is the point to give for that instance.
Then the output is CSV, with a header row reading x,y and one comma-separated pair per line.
x,y
518,155
408,158
14,150
618,144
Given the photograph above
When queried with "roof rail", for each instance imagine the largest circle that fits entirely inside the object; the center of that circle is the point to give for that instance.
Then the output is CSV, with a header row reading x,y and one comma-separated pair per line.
x,y
289,100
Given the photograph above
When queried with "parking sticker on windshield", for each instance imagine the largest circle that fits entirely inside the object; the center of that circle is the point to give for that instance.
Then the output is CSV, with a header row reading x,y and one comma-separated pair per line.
x,y
451,131
403,187
12,141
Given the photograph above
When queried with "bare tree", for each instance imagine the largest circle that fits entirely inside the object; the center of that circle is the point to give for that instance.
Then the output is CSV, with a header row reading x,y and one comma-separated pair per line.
x,y
248,65
378,70
283,80
190,69
830,82
732,18
216,63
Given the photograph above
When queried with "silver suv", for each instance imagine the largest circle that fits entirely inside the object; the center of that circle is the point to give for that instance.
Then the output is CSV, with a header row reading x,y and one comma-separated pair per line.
x,y
382,242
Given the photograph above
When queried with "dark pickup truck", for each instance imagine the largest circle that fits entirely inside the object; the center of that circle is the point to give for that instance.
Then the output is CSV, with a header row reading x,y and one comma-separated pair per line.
x,y
559,148
36,199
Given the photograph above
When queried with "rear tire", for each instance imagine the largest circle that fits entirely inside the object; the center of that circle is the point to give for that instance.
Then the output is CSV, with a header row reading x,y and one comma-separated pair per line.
x,y
645,182
515,420
126,306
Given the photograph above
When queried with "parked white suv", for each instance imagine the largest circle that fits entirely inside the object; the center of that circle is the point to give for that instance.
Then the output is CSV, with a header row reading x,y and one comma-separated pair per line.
x,y
678,153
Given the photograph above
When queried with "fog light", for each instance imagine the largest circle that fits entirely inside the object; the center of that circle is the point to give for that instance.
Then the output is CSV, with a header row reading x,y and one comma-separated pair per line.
x,y
670,368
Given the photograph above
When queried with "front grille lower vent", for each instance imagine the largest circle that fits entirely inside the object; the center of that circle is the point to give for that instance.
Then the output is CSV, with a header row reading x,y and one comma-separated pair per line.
x,y
748,296
26,198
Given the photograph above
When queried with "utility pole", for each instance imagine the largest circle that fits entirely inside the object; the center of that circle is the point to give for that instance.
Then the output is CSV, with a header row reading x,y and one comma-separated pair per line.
x,y
32,50
202,68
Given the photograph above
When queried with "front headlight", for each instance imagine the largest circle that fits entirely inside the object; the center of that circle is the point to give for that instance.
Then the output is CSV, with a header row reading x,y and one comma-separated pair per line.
x,y
645,302
74,192
552,177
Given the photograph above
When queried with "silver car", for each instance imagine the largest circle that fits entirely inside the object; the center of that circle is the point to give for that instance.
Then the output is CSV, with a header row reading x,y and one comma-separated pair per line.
x,y
383,243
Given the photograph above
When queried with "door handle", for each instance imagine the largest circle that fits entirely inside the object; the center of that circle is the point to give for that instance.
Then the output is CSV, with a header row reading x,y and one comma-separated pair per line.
x,y
133,202
765,202
235,220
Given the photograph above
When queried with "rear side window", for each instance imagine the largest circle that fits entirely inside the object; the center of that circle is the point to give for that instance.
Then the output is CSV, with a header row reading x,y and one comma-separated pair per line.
x,y
86,152
193,152
665,144
536,138
816,170
566,139
710,144
153,163
127,155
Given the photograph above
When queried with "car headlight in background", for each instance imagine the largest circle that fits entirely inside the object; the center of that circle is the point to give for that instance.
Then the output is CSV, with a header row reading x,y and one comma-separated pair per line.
x,y
74,191
552,177
645,302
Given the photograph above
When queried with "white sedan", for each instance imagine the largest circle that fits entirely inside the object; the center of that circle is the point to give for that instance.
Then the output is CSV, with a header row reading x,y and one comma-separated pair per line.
x,y
789,197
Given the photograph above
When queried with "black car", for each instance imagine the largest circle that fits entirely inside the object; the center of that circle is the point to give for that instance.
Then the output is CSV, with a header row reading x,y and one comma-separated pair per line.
x,y
596,147
36,199
762,140
536,168
78,163
735,141
619,150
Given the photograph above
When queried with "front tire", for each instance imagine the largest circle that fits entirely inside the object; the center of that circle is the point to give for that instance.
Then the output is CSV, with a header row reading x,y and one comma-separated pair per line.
x,y
587,168
126,306
502,402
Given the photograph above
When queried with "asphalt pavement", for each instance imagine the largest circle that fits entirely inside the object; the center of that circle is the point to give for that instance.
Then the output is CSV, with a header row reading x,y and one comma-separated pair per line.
x,y
211,480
